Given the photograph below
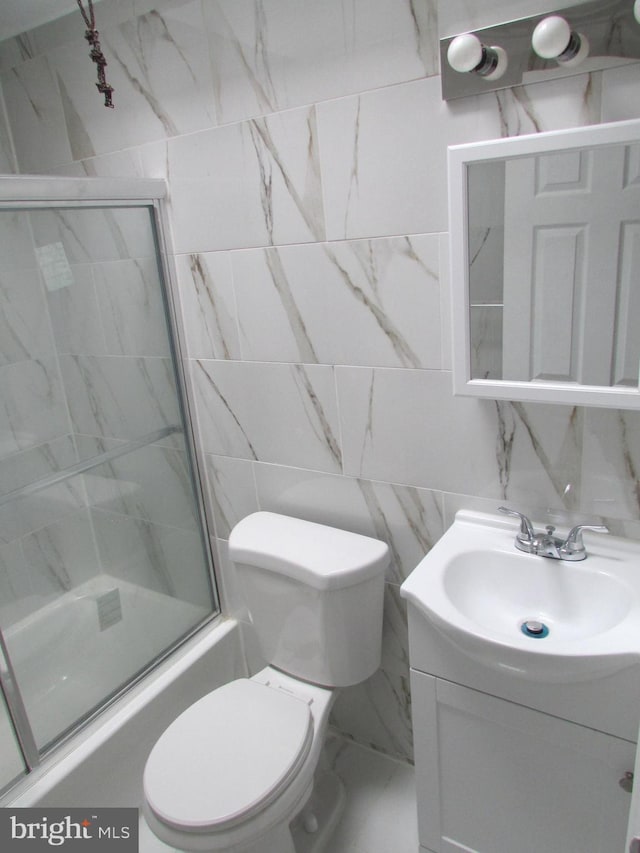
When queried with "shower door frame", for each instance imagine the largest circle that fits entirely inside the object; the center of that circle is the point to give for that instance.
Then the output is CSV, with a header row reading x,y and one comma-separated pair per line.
x,y
32,192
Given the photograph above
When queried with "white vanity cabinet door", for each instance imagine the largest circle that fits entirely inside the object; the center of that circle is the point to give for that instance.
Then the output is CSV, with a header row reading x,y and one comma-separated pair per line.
x,y
495,777
634,813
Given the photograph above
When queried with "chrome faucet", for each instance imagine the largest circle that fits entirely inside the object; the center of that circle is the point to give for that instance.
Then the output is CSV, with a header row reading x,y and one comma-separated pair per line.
x,y
546,544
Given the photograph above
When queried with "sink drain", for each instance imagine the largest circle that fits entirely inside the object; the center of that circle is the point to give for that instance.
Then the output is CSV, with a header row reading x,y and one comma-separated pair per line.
x,y
535,629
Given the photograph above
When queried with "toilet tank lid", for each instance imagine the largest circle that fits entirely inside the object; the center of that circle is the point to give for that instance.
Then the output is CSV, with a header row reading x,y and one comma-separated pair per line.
x,y
315,554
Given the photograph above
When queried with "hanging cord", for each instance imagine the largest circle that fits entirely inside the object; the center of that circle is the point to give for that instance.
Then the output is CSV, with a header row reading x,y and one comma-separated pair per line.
x,y
96,54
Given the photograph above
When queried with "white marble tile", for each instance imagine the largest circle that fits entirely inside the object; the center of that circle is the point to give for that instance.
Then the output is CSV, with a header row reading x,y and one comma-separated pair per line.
x,y
461,16
152,483
370,302
232,489
131,308
89,236
539,450
208,303
158,65
165,559
17,49
18,469
278,54
16,243
61,555
251,184
553,105
28,513
313,495
34,109
406,427
611,464
120,397
15,584
377,712
24,321
384,157
164,54
63,30
27,391
24,514
75,315
119,164
621,93
455,502
485,325
269,412
8,163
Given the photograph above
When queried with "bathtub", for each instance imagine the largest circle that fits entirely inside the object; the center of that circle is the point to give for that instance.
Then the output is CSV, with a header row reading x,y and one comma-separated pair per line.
x,y
102,764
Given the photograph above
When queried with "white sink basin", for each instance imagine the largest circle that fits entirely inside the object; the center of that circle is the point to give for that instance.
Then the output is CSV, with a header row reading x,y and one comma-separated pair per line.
x,y
478,591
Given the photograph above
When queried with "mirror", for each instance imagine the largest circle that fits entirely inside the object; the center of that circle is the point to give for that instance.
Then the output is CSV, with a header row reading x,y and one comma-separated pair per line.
x,y
545,261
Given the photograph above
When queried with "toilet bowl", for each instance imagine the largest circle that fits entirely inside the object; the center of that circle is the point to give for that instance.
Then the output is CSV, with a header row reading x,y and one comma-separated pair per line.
x,y
240,770
267,741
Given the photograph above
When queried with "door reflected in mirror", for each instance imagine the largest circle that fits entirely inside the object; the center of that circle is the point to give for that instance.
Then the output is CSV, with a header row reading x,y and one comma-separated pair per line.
x,y
545,238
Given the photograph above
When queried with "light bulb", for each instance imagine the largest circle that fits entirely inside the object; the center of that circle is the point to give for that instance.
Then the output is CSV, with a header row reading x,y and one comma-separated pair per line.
x,y
553,38
467,53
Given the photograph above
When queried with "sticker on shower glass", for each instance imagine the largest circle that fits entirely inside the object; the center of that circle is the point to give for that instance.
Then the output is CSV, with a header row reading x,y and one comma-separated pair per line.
x,y
87,830
54,266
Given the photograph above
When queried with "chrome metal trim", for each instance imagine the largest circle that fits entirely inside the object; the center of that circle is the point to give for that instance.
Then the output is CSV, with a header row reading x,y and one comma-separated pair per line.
x,y
81,467
193,441
50,191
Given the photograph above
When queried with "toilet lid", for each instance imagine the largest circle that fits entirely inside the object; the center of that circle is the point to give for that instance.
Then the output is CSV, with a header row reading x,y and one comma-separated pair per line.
x,y
227,756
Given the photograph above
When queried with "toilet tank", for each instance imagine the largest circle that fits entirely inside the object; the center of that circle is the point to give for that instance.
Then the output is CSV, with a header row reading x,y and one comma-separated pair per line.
x,y
314,594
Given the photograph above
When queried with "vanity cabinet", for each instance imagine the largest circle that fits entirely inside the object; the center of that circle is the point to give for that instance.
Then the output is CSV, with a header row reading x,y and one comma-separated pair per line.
x,y
494,776
522,742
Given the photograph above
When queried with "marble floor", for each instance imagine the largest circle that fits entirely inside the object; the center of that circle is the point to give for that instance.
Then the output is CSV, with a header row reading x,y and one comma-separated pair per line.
x,y
379,814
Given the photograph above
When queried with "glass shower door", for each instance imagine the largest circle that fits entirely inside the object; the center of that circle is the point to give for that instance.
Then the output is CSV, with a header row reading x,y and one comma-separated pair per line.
x,y
104,564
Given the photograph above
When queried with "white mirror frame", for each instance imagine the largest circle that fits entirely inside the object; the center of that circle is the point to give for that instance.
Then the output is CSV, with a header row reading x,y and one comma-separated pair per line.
x,y
459,157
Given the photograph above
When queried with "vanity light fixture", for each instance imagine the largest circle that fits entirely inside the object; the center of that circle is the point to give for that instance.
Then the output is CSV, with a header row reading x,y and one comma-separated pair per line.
x,y
575,37
553,38
467,54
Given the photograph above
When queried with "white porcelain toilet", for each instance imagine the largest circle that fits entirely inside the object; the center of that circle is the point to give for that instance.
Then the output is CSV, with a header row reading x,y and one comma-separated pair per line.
x,y
239,770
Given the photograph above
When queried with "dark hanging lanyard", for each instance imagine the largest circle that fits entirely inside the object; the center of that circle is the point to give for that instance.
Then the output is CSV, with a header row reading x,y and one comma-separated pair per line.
x,y
91,35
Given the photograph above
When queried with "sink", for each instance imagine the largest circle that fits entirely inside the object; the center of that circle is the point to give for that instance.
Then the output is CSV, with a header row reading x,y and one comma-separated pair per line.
x,y
542,619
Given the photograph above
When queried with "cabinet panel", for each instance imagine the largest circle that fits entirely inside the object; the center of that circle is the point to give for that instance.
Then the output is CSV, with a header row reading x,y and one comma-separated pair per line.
x,y
513,780
588,703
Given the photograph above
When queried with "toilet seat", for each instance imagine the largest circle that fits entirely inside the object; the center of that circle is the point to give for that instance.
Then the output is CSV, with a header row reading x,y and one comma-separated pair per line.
x,y
228,756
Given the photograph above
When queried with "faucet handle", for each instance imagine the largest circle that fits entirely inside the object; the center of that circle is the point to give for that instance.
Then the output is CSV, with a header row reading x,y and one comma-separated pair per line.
x,y
574,545
526,535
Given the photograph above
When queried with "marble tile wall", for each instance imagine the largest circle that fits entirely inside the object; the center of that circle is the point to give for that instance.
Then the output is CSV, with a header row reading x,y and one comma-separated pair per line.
x,y
304,145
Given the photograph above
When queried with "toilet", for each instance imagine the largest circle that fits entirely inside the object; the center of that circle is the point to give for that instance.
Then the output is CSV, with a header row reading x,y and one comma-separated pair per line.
x,y
241,770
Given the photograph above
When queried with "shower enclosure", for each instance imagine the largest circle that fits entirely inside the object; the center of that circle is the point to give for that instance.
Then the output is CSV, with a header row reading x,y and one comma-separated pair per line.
x,y
104,558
